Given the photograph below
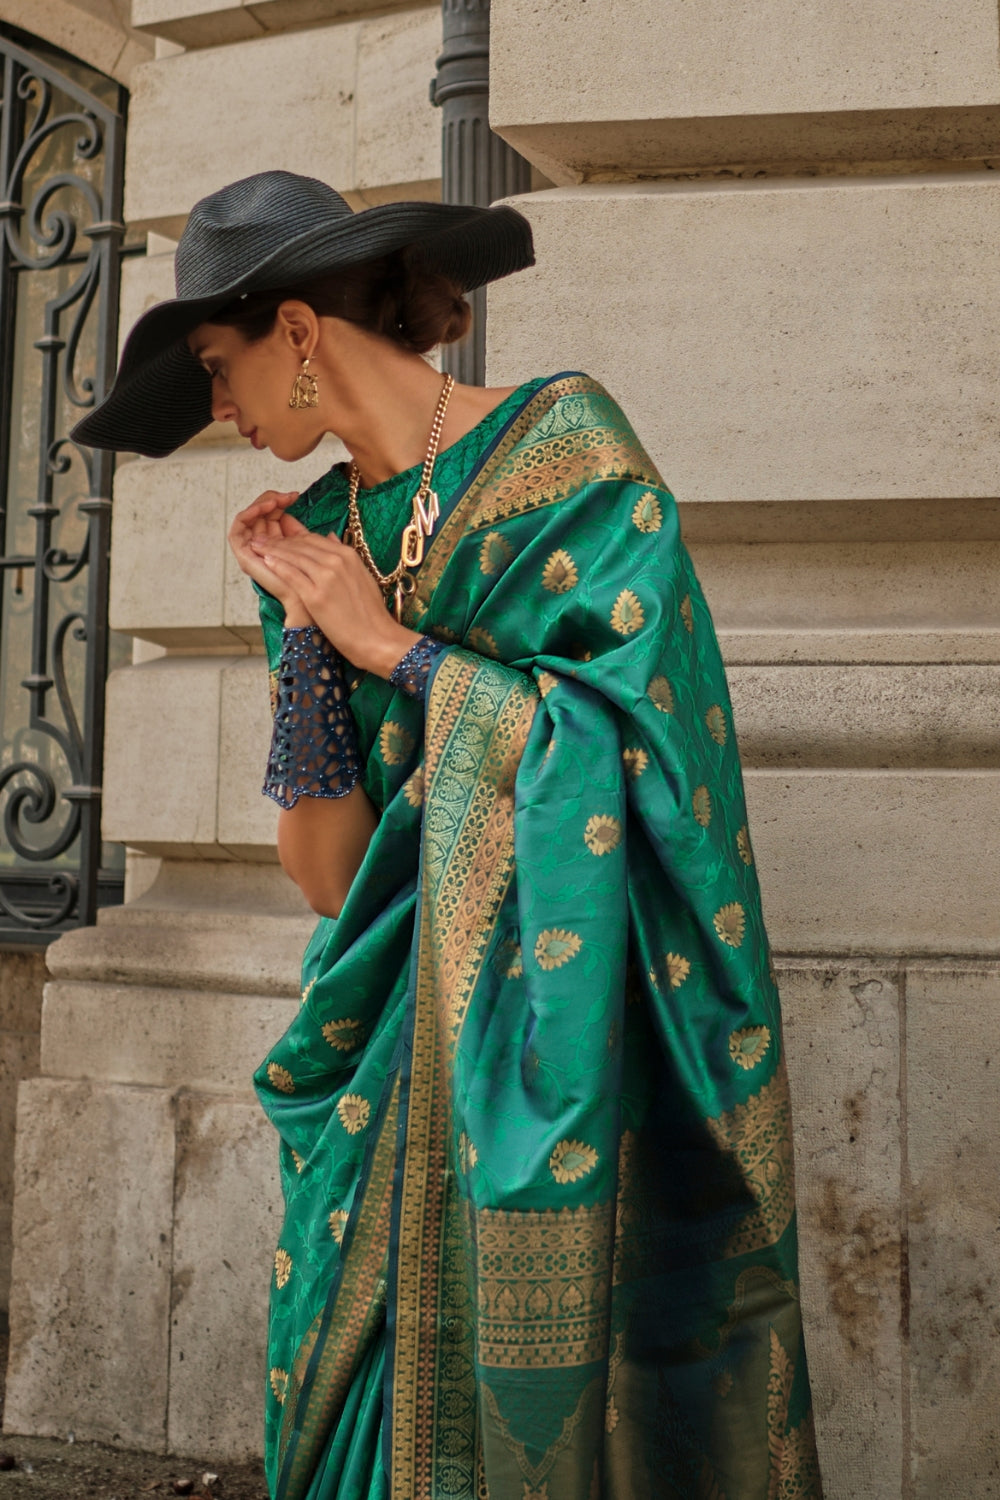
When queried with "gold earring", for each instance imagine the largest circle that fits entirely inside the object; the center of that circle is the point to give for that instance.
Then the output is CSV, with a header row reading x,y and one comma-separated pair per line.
x,y
305,390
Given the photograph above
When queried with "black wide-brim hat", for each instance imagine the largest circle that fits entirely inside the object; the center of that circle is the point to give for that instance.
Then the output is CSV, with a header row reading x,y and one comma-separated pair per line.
x,y
273,230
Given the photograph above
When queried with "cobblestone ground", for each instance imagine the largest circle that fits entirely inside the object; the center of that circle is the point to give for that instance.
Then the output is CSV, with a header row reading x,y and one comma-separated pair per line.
x,y
58,1469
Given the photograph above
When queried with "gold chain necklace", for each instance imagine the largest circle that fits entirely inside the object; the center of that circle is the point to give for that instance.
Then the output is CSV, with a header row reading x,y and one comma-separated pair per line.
x,y
398,584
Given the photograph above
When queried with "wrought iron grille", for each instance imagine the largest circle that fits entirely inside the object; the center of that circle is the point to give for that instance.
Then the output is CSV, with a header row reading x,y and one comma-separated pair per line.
x,y
61,242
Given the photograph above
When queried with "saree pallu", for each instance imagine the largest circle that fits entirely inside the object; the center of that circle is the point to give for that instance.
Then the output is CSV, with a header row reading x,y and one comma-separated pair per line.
x,y
540,1235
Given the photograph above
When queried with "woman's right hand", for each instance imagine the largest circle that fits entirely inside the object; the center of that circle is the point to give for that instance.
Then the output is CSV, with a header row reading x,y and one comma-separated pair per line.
x,y
266,518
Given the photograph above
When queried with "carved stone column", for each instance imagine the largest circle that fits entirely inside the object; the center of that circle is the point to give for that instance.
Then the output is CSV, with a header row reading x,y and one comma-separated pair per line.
x,y
476,165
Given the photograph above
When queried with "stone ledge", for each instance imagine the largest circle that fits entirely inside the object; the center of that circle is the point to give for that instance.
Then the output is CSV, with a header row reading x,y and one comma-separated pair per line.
x,y
211,23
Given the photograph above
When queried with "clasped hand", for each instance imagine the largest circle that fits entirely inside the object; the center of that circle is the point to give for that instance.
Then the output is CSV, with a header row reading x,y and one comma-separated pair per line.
x,y
320,581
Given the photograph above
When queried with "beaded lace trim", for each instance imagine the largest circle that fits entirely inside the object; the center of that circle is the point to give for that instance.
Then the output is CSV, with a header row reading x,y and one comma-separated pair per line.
x,y
411,672
314,746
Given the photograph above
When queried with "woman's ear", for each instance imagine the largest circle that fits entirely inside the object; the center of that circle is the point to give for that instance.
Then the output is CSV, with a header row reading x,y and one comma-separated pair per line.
x,y
298,324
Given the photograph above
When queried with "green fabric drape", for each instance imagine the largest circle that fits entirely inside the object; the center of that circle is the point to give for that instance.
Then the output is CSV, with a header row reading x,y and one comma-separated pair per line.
x,y
540,1237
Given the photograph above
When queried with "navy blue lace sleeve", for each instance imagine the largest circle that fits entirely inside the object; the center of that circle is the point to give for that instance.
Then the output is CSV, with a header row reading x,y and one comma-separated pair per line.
x,y
314,745
411,672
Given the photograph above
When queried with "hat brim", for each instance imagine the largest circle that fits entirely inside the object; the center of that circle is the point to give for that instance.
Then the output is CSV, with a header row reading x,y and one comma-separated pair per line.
x,y
162,395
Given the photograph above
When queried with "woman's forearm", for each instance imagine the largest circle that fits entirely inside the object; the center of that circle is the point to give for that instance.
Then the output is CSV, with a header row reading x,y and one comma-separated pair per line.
x,y
321,844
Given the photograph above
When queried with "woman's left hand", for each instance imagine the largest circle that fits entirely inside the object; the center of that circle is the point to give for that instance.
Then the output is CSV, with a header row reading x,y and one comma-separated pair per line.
x,y
341,596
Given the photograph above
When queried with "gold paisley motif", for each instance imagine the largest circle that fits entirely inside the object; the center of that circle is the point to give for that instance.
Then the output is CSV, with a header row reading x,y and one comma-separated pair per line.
x,y
571,1160
468,1156
730,924
279,1384
556,947
687,614
636,761
560,573
298,1160
743,845
628,615
394,742
413,787
280,1078
716,721
305,992
507,960
546,682
602,833
282,1267
749,1046
662,694
338,1223
757,1134
344,1035
678,969
355,1112
701,805
495,554
480,640
648,513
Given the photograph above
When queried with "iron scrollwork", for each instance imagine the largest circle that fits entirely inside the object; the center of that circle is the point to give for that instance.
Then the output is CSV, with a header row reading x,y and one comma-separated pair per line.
x,y
61,243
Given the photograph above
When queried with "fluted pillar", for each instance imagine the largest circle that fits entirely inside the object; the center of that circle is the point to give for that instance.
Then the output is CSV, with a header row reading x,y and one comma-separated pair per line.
x,y
476,165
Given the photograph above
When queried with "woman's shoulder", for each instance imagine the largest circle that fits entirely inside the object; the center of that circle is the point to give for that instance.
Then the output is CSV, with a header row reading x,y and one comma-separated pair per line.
x,y
322,506
580,415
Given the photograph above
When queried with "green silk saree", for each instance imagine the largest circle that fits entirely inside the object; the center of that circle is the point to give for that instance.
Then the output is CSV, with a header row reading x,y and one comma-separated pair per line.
x,y
540,1235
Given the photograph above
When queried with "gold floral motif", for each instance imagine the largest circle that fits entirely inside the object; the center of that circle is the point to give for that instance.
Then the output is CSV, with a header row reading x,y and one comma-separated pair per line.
x,y
748,1047
280,1078
413,787
716,721
556,947
701,804
628,615
723,1383
394,742
799,1473
572,1160
648,513
757,1135
662,694
546,682
282,1267
495,554
580,652
678,969
298,1160
611,1416
344,1035
743,845
654,979
687,614
338,1223
305,992
468,1155
560,573
355,1112
730,924
480,640
602,833
636,761
279,1384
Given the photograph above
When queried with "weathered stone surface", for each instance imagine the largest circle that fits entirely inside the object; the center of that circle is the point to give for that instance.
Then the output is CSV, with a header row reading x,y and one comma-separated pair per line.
x,y
247,820
715,87
227,1217
746,293
877,862
21,978
96,31
162,1038
842,1036
209,23
953,1094
91,1277
188,114
18,1060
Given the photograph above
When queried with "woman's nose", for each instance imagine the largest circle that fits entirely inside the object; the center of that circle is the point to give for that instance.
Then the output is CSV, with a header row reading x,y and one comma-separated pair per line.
x,y
223,407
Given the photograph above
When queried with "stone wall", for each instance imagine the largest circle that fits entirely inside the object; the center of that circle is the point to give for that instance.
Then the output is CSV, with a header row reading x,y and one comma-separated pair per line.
x,y
22,976
773,237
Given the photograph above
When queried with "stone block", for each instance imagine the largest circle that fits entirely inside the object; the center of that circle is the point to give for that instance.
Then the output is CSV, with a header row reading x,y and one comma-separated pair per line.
x,y
842,1035
247,820
90,1290
161,1038
808,716
209,23
22,976
95,31
188,115
878,861
227,1219
746,293
18,1060
161,766
953,1092
715,87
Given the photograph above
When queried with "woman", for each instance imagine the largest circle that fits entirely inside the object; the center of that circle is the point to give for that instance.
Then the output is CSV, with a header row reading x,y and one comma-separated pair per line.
x,y
535,1143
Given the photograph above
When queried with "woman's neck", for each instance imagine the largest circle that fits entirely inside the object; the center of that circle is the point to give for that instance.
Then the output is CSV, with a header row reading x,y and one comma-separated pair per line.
x,y
381,401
